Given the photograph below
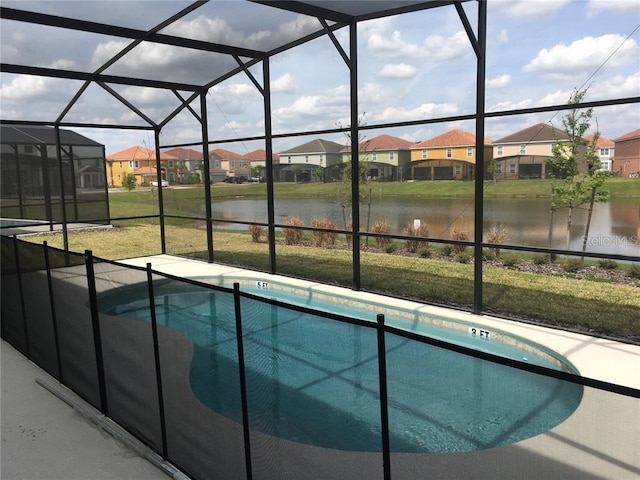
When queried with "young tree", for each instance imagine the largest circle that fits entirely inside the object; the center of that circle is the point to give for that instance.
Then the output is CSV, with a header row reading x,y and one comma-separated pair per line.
x,y
576,166
129,181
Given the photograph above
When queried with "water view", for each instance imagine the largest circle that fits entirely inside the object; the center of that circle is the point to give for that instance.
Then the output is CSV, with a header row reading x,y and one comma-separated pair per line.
x,y
615,225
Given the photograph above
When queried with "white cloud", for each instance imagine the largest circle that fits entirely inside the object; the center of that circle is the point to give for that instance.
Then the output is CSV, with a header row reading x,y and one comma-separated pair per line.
x,y
559,97
584,56
506,106
433,47
502,37
526,9
399,70
499,82
283,84
618,86
594,7
26,87
425,110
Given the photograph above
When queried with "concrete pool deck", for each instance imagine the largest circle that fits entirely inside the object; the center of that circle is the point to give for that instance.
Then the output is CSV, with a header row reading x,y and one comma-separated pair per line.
x,y
601,440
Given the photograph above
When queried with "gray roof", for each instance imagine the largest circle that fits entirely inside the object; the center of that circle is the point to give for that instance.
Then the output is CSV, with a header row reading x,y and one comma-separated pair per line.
x,y
540,132
315,146
37,135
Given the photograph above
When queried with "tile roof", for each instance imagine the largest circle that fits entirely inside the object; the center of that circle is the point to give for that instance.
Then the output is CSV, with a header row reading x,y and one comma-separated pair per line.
x,y
139,153
382,142
629,136
602,141
452,138
184,153
259,154
316,146
540,132
223,154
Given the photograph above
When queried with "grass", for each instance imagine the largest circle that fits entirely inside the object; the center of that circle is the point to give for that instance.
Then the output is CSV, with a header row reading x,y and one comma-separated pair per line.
x,y
587,305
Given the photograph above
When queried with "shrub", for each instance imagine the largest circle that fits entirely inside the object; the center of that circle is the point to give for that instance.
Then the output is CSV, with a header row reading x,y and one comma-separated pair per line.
x,y
412,245
425,252
382,227
462,235
608,264
392,247
348,237
510,261
634,271
321,237
572,265
293,236
447,250
463,257
496,236
256,232
488,255
541,259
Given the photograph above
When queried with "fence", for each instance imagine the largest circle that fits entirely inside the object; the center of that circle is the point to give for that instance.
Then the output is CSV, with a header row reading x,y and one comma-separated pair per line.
x,y
179,374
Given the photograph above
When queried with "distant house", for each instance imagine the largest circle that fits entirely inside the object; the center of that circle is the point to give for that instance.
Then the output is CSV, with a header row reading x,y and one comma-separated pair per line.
x,y
524,154
258,159
626,161
449,156
189,164
606,148
233,164
141,162
301,163
386,158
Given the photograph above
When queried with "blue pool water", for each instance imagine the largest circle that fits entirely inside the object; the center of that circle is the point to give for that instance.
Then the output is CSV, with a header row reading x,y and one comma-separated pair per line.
x,y
315,381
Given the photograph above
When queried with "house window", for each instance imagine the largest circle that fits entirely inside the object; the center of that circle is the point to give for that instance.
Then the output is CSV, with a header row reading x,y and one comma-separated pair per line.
x,y
498,168
375,156
499,151
605,165
449,152
120,164
233,164
604,152
458,170
28,149
134,164
523,149
170,163
392,155
306,158
469,151
512,168
424,154
289,159
321,158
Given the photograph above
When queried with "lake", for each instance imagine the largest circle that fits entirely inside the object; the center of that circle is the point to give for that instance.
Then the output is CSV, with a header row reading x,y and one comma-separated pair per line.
x,y
615,225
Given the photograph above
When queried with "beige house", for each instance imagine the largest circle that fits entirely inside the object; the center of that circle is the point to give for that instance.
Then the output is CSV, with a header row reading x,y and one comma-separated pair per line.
x,y
387,158
524,154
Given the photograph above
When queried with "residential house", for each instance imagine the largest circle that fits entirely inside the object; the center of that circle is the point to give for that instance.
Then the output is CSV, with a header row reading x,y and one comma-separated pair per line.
x,y
141,162
190,164
258,159
232,164
305,162
626,161
386,158
524,154
606,148
449,156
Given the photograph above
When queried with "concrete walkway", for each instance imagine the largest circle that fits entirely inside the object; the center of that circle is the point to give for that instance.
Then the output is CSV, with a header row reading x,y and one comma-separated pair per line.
x,y
45,438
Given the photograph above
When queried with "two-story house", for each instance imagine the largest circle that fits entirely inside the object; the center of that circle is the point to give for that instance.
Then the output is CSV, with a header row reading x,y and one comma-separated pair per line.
x,y
189,164
606,149
141,162
233,164
626,161
386,158
305,162
524,154
258,159
448,156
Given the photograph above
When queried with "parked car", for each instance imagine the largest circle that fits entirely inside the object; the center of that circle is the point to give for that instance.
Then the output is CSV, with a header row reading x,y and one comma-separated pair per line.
x,y
164,183
236,179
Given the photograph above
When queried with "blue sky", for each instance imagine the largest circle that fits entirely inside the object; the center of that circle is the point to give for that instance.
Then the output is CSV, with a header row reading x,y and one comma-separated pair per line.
x,y
412,66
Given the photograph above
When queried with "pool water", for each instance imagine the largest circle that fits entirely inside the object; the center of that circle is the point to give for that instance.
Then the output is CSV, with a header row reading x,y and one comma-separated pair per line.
x,y
315,381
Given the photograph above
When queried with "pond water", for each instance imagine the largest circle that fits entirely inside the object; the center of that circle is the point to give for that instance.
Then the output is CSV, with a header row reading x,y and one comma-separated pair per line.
x,y
615,225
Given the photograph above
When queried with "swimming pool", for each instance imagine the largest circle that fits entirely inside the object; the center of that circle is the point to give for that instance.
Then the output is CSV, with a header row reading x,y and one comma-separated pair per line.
x,y
314,380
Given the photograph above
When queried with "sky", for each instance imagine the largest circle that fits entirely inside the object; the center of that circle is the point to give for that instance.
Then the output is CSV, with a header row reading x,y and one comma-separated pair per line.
x,y
412,66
